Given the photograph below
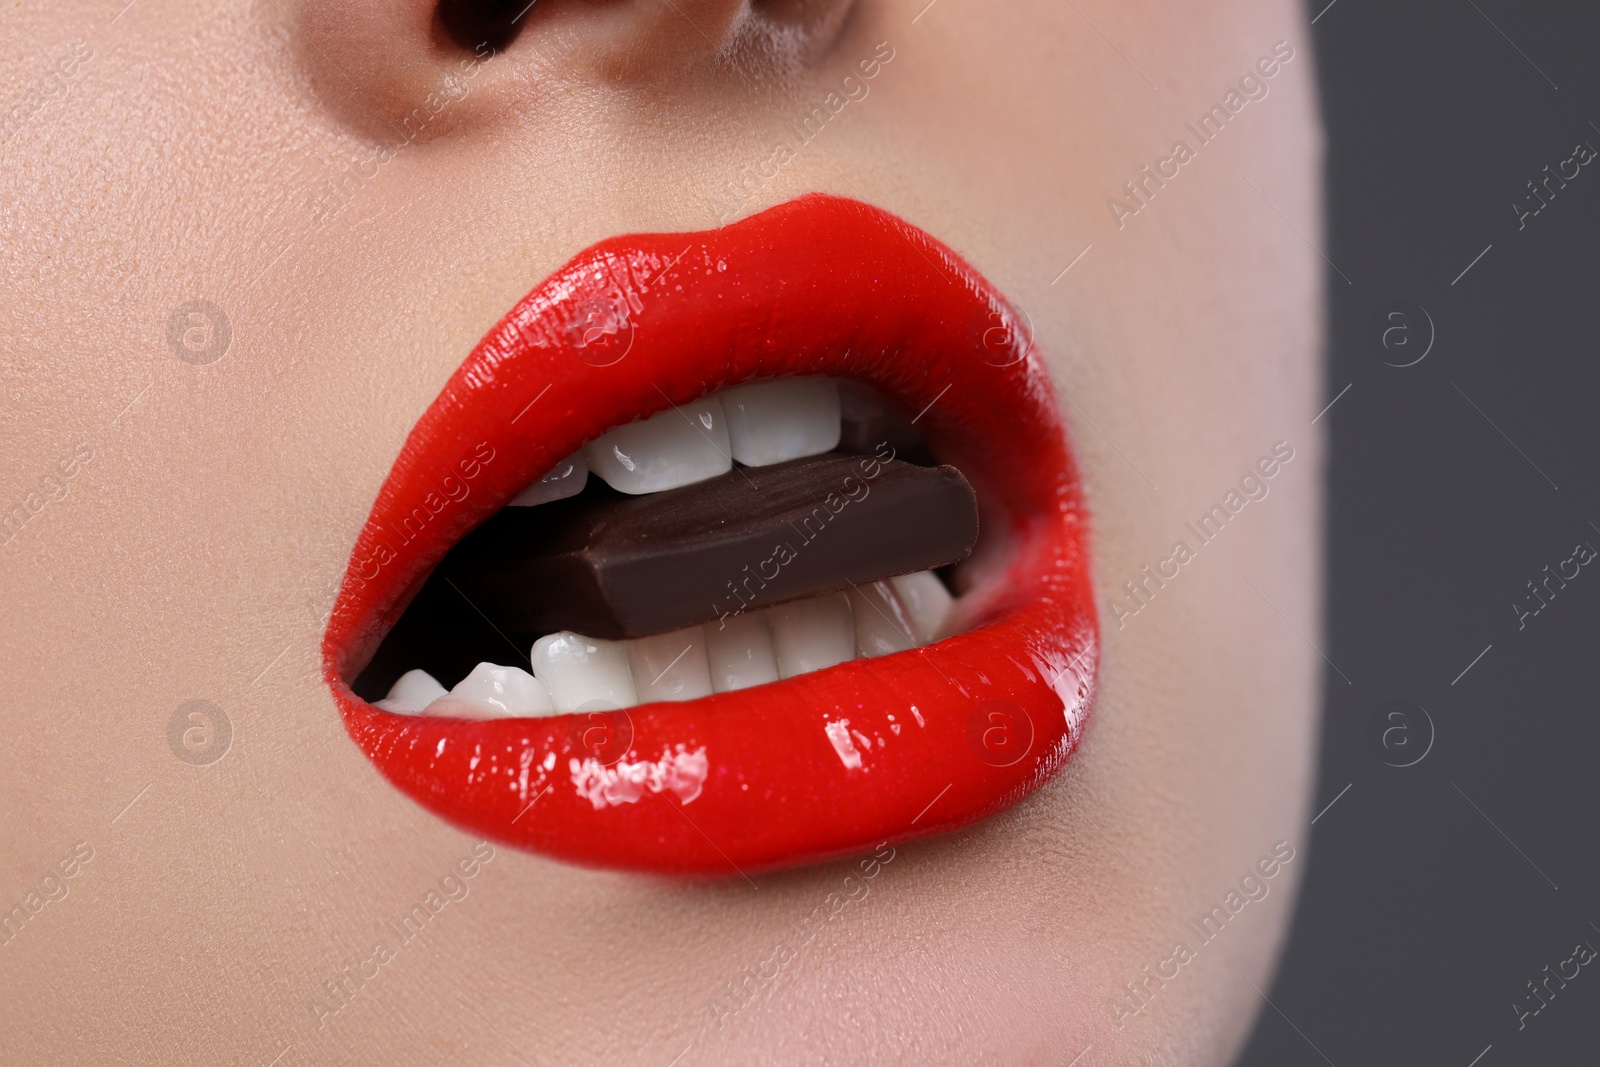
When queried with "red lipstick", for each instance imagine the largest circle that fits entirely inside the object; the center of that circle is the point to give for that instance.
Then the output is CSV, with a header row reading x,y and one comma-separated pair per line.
x,y
821,765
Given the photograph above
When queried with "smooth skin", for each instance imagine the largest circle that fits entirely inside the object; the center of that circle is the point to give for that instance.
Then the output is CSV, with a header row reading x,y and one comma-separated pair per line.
x,y
192,552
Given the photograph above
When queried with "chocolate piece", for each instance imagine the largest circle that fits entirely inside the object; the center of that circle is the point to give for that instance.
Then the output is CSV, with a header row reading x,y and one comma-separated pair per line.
x,y
612,566
869,421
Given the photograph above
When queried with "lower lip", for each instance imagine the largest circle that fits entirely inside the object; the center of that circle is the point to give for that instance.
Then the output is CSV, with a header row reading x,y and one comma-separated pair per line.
x,y
814,767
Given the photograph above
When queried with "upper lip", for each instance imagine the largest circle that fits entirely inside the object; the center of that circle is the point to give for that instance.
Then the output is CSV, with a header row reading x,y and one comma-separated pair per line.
x,y
811,767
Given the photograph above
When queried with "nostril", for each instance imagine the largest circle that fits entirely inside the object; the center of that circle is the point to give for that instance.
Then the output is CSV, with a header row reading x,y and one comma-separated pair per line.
x,y
471,24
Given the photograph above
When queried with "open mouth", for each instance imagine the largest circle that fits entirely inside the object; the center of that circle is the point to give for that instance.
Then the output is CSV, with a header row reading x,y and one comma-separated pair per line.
x,y
678,574
728,551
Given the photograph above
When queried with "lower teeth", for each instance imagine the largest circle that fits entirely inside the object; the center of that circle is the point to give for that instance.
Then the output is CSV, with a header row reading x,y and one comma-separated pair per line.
x,y
576,673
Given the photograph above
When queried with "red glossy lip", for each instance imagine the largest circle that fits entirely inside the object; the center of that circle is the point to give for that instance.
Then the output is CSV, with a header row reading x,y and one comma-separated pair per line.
x,y
822,765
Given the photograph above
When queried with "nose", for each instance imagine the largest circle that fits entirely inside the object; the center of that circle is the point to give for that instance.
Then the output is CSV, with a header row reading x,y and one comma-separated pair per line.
x,y
651,23
373,59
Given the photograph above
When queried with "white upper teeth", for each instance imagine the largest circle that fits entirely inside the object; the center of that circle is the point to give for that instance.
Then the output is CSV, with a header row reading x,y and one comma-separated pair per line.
x,y
756,424
773,421
679,446
565,479
576,673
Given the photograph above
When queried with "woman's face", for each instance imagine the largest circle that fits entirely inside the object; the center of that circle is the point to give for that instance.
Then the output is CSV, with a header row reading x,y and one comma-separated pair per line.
x,y
201,472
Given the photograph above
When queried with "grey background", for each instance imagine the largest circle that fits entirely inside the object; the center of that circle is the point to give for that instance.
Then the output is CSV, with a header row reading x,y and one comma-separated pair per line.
x,y
1434,893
